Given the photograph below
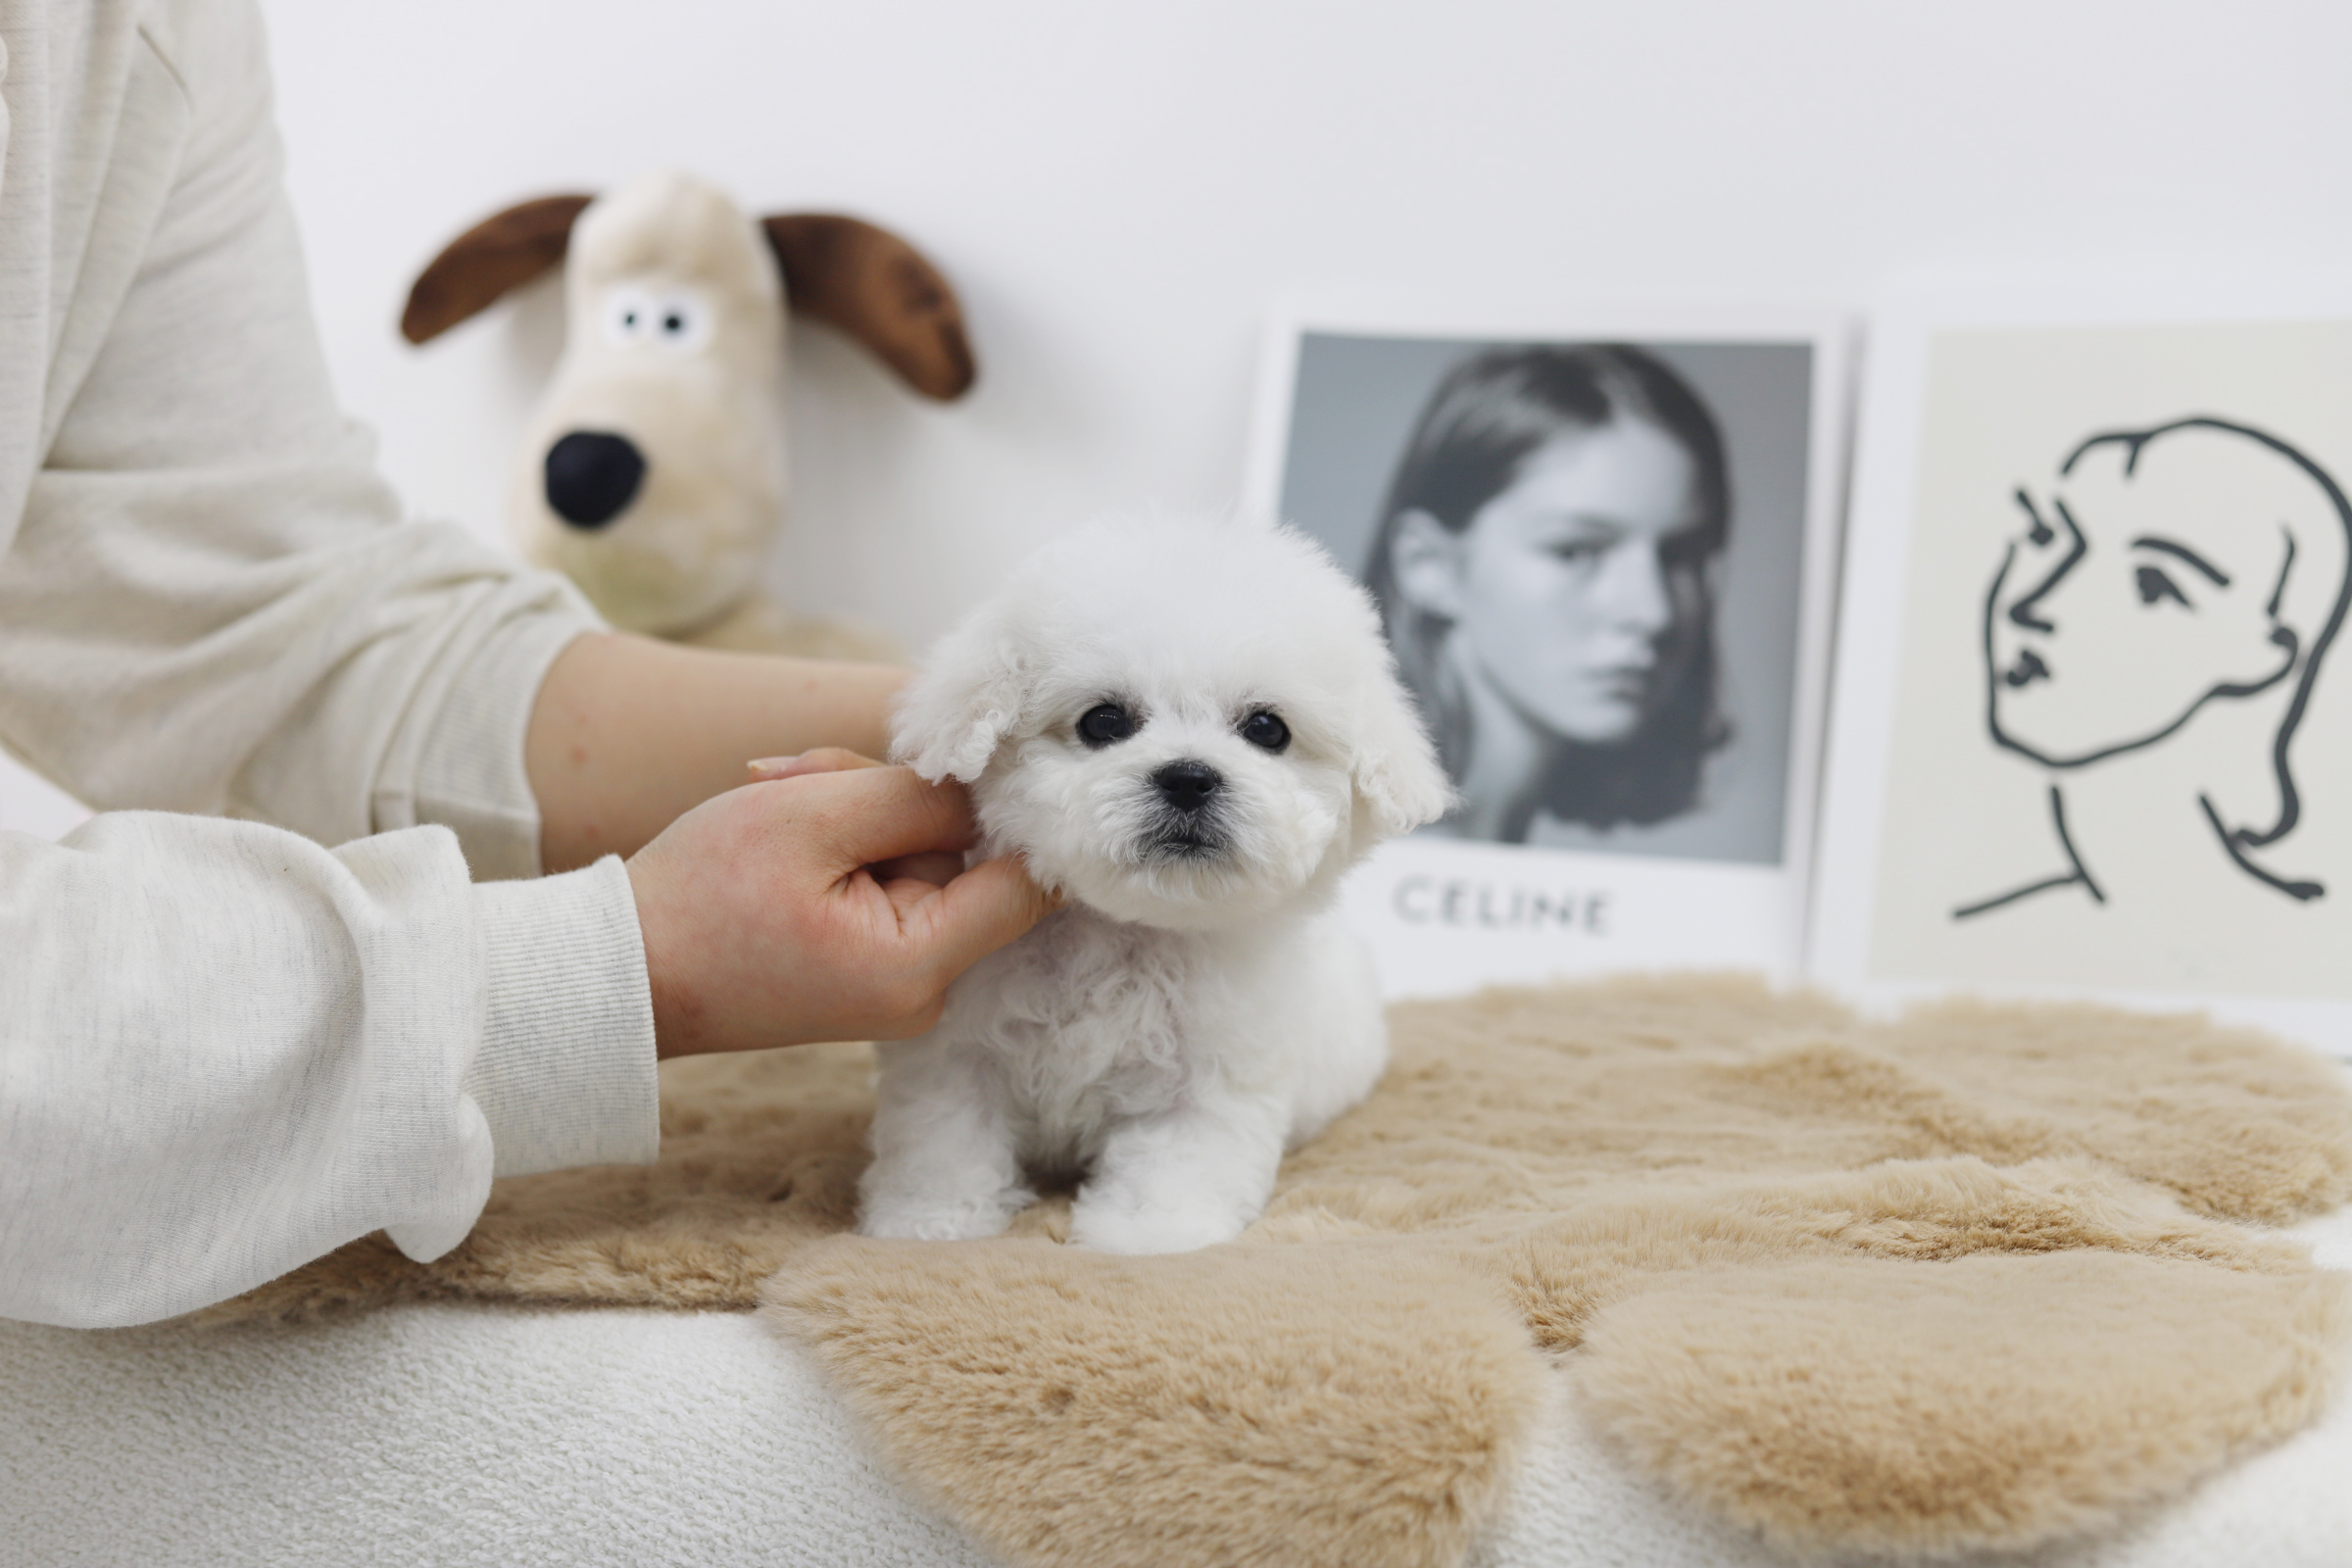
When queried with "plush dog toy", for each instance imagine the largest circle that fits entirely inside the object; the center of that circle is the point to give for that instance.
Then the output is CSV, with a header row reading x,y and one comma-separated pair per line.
x,y
1189,728
654,476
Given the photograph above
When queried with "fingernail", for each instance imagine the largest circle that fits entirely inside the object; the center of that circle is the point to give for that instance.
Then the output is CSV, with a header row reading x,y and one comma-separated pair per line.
x,y
771,764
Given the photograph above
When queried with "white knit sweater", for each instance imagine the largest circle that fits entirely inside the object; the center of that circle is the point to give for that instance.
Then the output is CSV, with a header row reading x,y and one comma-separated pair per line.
x,y
224,1048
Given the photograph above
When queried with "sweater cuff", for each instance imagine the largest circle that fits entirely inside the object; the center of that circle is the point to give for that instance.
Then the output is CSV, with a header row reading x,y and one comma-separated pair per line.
x,y
566,1073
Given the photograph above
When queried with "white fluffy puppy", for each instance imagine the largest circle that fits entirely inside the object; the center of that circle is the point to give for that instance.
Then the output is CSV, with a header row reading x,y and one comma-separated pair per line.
x,y
1191,728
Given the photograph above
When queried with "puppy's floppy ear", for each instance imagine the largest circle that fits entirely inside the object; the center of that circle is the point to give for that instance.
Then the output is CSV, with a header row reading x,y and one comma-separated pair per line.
x,y
1399,783
880,290
973,691
502,252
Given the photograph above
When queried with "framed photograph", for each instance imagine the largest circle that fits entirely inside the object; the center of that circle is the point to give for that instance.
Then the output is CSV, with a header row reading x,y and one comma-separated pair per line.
x,y
2094,723
1604,549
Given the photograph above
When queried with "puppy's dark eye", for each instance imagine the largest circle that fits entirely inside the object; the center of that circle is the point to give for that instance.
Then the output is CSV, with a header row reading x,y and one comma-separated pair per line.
x,y
1262,728
1105,724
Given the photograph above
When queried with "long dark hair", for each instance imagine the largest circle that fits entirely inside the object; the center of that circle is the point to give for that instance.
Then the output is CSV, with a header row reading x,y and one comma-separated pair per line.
x,y
1485,418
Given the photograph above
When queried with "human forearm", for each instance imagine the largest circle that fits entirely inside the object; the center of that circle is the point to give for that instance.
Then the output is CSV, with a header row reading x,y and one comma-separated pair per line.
x,y
629,734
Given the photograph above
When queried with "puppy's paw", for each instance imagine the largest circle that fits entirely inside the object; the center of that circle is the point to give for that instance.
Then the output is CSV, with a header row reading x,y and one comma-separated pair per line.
x,y
1109,1226
931,1220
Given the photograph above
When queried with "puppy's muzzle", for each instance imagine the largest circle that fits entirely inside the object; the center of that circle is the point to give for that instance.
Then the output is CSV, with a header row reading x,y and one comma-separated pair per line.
x,y
1188,792
1188,785
592,476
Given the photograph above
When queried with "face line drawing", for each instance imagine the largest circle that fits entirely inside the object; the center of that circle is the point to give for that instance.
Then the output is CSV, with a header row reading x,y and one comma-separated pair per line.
x,y
2022,614
2278,588
2213,573
2289,802
2027,666
2078,873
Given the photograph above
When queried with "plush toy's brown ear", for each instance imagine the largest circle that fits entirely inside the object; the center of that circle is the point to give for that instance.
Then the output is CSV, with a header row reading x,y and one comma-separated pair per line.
x,y
502,252
876,287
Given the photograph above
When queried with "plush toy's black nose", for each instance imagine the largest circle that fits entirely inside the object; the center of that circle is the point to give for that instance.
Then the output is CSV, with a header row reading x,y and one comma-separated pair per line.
x,y
1186,785
592,476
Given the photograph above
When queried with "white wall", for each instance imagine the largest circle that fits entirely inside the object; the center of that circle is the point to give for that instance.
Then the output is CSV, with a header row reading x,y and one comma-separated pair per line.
x,y
1118,190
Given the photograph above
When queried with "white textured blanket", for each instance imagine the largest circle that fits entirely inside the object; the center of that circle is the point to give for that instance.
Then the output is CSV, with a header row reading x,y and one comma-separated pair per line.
x,y
517,1437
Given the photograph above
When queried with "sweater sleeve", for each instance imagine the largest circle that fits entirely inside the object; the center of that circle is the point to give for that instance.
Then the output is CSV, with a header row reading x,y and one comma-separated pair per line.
x,y
212,604
226,1051
226,1048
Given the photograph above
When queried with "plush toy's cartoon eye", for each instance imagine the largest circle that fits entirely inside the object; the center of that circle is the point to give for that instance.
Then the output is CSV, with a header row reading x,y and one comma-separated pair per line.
x,y
681,321
1265,728
628,317
1105,722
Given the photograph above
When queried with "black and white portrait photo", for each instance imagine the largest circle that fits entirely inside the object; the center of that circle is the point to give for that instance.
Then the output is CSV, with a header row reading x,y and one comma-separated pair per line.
x,y
1588,558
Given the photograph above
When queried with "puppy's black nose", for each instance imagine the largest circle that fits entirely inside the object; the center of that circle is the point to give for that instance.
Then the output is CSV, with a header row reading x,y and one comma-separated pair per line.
x,y
1186,785
592,476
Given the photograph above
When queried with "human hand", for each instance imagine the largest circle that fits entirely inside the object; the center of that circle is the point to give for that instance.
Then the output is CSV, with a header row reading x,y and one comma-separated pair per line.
x,y
825,901
937,867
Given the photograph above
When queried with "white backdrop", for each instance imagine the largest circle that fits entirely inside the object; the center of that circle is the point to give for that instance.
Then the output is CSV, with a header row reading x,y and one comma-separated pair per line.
x,y
1118,192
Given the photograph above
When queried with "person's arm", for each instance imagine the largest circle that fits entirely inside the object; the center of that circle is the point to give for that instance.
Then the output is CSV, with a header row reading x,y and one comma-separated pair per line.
x,y
212,603
226,1051
225,1047
628,733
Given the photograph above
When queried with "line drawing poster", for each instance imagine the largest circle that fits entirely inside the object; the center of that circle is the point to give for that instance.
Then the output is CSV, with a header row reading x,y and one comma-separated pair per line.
x,y
2121,750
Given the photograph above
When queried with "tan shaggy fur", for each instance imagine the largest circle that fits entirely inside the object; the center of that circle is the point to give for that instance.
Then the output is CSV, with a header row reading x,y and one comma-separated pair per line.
x,y
1981,1278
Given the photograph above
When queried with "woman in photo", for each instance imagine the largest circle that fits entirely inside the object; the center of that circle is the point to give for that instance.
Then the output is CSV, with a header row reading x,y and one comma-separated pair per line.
x,y
1543,567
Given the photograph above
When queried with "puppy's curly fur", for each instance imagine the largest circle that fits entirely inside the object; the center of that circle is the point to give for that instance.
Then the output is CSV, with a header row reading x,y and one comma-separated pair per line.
x,y
1191,728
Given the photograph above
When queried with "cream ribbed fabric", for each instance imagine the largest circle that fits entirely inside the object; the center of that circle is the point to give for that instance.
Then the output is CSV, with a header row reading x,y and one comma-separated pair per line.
x,y
223,1047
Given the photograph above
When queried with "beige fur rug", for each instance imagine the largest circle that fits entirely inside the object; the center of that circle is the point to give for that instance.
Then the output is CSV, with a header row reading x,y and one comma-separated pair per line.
x,y
1984,1278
